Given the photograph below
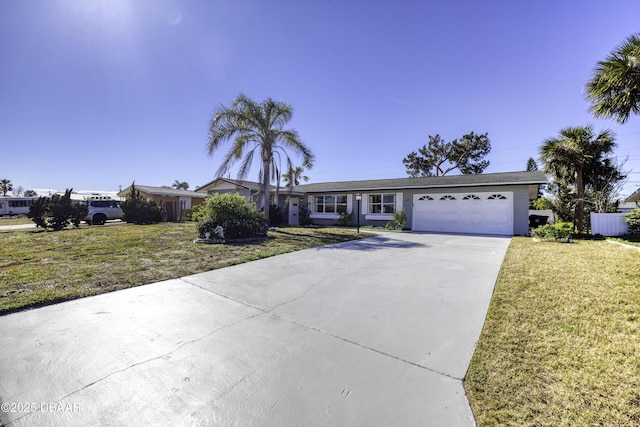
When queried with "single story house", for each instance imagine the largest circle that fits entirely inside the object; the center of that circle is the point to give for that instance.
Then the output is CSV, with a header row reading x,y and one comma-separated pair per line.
x,y
495,203
175,204
630,203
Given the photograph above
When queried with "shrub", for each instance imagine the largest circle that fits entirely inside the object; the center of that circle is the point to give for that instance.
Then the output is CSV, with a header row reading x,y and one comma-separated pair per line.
x,y
400,219
276,215
345,219
238,218
220,207
633,220
558,231
57,212
38,211
138,210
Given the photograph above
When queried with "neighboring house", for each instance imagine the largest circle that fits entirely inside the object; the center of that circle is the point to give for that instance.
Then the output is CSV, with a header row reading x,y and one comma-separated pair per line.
x,y
630,203
175,204
495,203
248,189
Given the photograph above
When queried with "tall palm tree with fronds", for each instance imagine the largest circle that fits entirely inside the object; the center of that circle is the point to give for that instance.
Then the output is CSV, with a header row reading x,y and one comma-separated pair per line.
x,y
5,186
615,88
294,175
576,151
255,129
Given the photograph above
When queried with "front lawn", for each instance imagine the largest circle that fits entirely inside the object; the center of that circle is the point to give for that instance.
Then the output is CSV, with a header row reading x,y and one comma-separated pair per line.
x,y
42,267
561,342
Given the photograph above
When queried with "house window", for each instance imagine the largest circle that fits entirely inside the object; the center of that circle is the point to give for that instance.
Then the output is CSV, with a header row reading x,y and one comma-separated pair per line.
x,y
447,197
426,198
471,197
384,203
335,203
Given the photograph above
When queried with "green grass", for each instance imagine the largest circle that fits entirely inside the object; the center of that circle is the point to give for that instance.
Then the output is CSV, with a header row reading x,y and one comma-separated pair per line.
x,y
38,268
632,239
561,342
15,220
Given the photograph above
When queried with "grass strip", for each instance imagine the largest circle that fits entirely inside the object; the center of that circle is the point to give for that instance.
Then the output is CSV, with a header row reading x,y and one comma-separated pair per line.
x,y
561,342
38,268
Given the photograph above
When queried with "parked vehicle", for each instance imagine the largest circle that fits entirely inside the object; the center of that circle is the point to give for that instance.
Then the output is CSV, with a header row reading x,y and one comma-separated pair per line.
x,y
15,205
102,209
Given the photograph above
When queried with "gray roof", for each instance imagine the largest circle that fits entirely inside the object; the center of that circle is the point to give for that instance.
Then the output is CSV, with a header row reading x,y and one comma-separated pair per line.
x,y
239,182
163,191
635,197
473,180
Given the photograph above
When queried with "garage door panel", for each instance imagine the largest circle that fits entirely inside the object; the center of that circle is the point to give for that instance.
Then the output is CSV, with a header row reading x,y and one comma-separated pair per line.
x,y
480,213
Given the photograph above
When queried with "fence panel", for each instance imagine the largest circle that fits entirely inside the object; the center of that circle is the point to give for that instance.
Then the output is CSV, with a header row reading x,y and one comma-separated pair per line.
x,y
608,224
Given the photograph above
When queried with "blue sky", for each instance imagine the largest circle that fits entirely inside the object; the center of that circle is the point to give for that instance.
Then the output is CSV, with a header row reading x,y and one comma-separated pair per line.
x,y
95,94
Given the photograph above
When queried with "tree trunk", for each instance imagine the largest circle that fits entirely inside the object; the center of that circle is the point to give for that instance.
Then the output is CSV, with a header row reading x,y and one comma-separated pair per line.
x,y
580,201
266,187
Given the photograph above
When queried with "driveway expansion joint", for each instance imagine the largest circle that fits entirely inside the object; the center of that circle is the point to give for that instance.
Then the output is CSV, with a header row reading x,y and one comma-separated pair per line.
x,y
270,311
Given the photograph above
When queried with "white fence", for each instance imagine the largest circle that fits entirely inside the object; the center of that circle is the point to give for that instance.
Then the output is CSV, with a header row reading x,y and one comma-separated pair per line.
x,y
608,224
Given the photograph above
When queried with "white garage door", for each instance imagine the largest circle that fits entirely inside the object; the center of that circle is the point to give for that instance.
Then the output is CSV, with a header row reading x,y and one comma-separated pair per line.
x,y
477,213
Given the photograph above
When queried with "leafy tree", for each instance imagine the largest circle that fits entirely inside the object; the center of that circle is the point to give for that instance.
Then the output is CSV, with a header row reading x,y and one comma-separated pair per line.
x,y
256,128
614,90
5,186
138,210
573,153
30,193
439,157
180,185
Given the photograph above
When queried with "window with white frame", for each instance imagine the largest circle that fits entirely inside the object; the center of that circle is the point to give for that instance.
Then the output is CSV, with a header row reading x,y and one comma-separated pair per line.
x,y
383,203
331,204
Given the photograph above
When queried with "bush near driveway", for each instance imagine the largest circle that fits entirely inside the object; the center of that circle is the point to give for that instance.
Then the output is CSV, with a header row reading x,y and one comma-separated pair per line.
x,y
238,218
561,338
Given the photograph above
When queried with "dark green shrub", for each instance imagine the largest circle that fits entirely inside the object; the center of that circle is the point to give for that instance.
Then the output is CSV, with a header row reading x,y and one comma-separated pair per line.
x,y
79,212
138,210
345,219
633,220
57,211
275,215
38,211
245,228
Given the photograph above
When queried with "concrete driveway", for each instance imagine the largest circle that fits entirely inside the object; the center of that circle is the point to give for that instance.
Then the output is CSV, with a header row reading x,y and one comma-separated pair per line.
x,y
374,332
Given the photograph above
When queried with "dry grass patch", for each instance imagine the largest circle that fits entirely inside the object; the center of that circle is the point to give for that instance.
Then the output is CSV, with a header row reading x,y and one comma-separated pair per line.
x,y
561,343
43,267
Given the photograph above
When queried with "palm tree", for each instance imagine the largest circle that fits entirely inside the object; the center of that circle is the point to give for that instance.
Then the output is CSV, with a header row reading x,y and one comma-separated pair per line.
x,y
256,128
573,153
294,175
5,186
615,88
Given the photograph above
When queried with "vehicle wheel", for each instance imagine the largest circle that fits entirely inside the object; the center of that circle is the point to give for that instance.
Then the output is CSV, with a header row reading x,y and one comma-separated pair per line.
x,y
99,219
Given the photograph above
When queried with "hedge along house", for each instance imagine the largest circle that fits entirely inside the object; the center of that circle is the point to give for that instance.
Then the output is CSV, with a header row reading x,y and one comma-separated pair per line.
x,y
495,203
175,204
